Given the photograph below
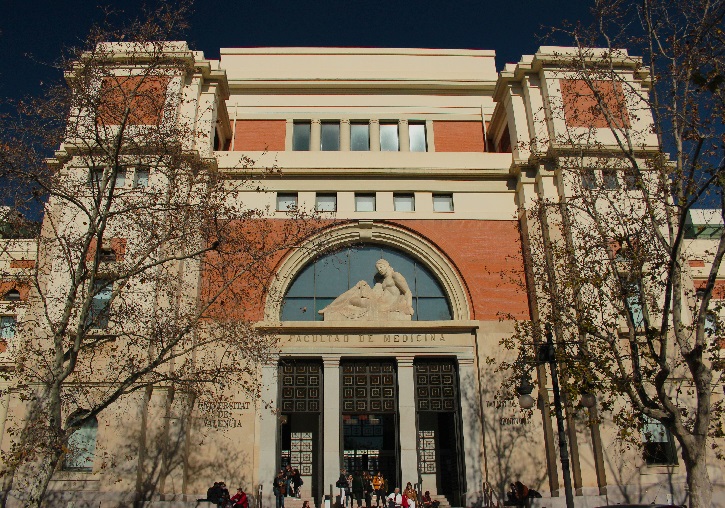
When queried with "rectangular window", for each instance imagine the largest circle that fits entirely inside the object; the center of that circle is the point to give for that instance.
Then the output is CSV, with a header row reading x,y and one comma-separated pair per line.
x,y
364,202
630,179
359,137
589,179
141,177
301,136
99,312
417,137
389,137
404,202
326,202
8,325
330,136
286,202
633,302
610,180
442,202
96,177
659,447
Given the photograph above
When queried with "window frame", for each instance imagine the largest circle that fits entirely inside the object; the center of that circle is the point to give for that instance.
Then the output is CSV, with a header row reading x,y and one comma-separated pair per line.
x,y
136,180
410,136
292,207
353,125
88,455
325,195
390,124
295,125
8,322
99,313
610,180
658,453
359,195
439,195
403,195
589,179
329,123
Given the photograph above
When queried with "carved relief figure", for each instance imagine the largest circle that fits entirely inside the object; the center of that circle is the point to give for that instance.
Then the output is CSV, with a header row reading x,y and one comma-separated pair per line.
x,y
389,300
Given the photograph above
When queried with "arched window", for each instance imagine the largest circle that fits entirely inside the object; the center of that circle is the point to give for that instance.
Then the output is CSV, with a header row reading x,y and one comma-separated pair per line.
x,y
82,447
327,277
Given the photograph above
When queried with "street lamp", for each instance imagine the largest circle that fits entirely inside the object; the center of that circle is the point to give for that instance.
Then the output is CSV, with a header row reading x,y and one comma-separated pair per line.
x,y
546,353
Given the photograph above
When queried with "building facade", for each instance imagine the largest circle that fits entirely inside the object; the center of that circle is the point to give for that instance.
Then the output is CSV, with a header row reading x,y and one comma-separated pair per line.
x,y
422,159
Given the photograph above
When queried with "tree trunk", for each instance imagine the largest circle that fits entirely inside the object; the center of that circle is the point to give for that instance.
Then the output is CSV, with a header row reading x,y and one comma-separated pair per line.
x,y
7,485
698,479
43,472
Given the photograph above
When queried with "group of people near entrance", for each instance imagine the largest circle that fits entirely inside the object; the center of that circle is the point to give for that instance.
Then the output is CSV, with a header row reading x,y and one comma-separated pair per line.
x,y
364,486
219,495
287,483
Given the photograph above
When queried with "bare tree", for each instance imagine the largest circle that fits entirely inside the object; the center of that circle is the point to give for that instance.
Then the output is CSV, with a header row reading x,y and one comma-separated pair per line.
x,y
638,145
147,254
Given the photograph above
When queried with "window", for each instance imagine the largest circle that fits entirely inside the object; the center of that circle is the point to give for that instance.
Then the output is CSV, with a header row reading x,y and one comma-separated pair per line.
x,y
12,296
106,252
141,177
630,179
442,202
330,136
633,302
99,312
417,137
404,202
364,202
286,202
301,136
712,325
389,137
331,274
82,447
359,137
96,177
8,325
589,179
610,180
326,202
659,447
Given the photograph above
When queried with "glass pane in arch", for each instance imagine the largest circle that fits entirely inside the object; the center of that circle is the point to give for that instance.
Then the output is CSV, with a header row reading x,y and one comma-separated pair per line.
x,y
325,278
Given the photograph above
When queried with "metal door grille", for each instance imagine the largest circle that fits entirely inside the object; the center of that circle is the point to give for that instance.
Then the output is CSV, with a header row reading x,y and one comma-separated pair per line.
x,y
436,385
369,387
301,391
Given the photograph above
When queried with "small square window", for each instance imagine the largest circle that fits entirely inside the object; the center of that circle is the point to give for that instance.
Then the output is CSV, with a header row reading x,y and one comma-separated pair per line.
x,y
610,180
301,136
326,202
630,179
8,326
442,202
359,137
417,137
141,177
404,202
589,179
330,136
286,202
389,137
364,202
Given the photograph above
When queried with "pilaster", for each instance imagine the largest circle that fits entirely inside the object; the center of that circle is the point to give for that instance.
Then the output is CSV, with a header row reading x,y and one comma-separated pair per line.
x,y
345,135
331,420
315,133
375,135
408,427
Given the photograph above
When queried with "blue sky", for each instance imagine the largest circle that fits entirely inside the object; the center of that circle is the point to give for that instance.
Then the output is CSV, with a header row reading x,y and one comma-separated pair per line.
x,y
33,33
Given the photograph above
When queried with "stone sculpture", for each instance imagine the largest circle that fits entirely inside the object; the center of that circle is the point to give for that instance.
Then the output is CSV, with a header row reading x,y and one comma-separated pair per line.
x,y
389,300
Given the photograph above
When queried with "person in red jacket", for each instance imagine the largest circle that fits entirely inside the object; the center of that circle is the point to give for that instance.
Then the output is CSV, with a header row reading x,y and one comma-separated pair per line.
x,y
240,499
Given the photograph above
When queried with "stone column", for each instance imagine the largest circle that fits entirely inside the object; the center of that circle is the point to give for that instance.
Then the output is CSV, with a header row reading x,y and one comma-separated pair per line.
x,y
345,135
374,135
315,133
407,426
471,430
331,420
268,433
404,135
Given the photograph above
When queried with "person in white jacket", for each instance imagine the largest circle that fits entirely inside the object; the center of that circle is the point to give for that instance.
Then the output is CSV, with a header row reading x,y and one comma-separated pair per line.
x,y
395,499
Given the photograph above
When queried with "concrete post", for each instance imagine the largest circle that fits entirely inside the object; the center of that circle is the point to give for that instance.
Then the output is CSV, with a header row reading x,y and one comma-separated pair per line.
x,y
407,426
331,419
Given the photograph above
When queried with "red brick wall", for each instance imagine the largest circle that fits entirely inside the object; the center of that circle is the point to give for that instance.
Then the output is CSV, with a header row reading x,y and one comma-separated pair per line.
x,y
581,108
22,263
259,135
455,136
487,255
145,96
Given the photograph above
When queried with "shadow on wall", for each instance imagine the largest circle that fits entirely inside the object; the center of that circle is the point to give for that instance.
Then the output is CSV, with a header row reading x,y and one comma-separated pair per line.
x,y
513,438
153,458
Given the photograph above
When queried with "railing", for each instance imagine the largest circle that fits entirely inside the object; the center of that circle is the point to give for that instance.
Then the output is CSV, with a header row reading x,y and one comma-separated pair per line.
x,y
258,501
490,498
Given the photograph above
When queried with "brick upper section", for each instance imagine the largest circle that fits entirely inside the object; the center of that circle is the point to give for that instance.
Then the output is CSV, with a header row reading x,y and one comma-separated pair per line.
x,y
458,136
259,135
145,97
486,254
581,108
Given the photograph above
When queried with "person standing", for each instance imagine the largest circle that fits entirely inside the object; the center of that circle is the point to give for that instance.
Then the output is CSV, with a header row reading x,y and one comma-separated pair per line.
x,y
379,488
342,485
410,495
296,482
279,488
367,488
357,488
